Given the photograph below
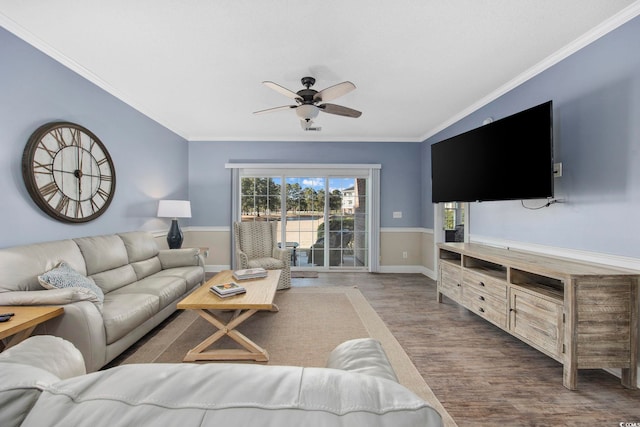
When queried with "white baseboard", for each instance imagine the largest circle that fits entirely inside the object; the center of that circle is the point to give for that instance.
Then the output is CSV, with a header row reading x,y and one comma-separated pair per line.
x,y
211,268
407,269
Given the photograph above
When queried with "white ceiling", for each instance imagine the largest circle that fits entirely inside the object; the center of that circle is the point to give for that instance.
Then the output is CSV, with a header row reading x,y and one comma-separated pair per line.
x,y
196,66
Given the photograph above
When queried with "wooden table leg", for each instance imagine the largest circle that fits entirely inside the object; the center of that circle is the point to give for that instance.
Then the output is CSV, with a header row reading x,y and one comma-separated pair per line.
x,y
18,337
251,350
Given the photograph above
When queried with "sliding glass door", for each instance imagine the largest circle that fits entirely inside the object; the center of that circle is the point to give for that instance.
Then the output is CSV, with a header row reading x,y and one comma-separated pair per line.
x,y
323,220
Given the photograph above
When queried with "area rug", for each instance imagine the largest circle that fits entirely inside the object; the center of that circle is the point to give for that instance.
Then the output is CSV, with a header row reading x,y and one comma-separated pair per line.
x,y
311,322
304,274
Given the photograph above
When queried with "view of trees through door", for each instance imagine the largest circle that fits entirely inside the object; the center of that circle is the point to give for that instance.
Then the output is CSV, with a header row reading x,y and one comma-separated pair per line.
x,y
302,207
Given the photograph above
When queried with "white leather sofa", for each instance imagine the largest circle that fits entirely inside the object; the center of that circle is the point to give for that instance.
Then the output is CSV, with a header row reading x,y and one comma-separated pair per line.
x,y
140,286
42,383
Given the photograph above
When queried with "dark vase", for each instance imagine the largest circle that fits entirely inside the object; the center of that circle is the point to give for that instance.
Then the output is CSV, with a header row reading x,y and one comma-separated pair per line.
x,y
174,237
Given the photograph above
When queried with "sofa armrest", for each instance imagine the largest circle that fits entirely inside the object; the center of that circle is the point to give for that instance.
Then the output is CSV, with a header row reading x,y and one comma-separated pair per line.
x,y
49,297
82,325
29,367
53,354
363,355
172,258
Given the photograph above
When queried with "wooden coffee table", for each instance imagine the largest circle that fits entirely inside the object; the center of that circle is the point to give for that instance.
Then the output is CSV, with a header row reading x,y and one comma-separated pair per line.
x,y
24,321
259,296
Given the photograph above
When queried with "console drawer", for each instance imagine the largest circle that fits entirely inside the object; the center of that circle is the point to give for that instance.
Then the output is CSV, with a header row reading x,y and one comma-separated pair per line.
x,y
484,284
486,305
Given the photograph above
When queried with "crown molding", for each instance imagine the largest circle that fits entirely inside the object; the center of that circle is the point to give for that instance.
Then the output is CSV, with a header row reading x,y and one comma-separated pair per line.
x,y
604,28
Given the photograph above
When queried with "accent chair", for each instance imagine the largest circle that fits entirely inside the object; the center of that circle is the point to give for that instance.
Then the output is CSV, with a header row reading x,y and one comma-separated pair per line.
x,y
256,245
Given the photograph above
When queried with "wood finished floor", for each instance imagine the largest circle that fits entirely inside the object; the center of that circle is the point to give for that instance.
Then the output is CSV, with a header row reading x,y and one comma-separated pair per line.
x,y
482,375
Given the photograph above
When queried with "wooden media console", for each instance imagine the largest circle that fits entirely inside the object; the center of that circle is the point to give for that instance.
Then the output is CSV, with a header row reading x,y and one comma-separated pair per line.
x,y
583,315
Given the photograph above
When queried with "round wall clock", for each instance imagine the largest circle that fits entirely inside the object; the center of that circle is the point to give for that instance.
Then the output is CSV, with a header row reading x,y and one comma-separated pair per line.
x,y
68,172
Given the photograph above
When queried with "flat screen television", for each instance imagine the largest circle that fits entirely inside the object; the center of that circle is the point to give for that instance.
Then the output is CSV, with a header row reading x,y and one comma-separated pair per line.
x,y
508,159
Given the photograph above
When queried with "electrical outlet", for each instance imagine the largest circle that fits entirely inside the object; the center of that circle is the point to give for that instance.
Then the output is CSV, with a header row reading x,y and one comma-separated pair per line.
x,y
557,170
405,255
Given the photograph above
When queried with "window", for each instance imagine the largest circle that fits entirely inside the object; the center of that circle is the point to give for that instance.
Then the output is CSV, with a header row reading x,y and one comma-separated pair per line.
x,y
324,215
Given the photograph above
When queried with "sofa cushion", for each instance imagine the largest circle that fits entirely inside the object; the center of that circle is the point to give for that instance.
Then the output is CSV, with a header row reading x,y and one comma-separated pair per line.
x,y
63,276
21,265
192,275
140,245
147,267
229,394
167,289
111,280
179,257
123,312
102,253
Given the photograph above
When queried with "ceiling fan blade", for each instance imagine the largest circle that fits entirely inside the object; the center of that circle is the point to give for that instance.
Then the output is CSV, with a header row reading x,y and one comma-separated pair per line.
x,y
340,110
334,91
271,110
283,90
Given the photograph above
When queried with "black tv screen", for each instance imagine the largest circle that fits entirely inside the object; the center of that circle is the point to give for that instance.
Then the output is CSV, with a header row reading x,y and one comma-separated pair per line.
x,y
508,159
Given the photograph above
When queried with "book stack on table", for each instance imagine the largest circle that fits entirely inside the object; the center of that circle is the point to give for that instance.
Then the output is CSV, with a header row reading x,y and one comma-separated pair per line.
x,y
250,273
228,289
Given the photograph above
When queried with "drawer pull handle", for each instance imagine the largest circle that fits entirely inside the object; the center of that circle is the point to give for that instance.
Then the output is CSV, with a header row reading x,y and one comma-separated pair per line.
x,y
481,283
481,298
458,284
481,310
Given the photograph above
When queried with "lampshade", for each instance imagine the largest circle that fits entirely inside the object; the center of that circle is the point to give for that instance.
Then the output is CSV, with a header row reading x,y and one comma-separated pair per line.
x,y
174,209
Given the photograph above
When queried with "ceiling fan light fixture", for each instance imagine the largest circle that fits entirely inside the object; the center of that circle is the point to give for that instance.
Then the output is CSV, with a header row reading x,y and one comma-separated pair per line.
x,y
307,112
308,101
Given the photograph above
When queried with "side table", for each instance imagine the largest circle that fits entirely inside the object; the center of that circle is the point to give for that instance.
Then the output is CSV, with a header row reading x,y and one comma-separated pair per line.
x,y
24,321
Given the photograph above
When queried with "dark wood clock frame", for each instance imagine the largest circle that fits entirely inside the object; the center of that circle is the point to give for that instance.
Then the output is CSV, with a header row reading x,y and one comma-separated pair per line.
x,y
68,172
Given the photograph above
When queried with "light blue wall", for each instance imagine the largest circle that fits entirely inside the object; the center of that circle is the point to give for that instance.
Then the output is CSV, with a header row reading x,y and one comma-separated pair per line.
x,y
210,182
150,161
596,95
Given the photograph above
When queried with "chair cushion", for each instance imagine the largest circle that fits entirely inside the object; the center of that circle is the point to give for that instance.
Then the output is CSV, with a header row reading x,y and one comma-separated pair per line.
x,y
267,263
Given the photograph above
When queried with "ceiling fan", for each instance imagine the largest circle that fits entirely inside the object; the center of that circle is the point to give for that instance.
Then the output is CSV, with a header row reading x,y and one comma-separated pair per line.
x,y
309,102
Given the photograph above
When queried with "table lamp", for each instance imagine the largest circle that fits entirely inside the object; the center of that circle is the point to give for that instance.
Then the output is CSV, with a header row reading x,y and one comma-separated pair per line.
x,y
174,209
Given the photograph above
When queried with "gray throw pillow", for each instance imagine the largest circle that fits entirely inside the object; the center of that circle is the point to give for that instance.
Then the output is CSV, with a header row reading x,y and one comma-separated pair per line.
x,y
64,276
